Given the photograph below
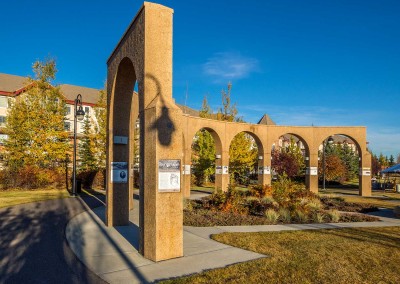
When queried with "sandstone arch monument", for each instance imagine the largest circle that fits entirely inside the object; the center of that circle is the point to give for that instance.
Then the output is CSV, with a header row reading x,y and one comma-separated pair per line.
x,y
143,56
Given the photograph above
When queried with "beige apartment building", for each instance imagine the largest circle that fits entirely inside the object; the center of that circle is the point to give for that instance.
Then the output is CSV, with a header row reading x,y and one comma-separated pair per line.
x,y
12,86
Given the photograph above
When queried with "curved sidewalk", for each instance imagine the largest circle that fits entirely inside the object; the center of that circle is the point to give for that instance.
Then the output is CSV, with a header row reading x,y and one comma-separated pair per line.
x,y
112,253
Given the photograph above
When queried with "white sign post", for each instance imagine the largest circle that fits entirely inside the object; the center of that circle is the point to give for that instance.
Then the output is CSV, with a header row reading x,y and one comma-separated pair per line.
x,y
169,176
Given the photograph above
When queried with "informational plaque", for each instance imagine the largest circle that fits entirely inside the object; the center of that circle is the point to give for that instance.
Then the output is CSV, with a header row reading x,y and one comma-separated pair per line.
x,y
225,170
264,170
169,176
187,170
218,170
312,171
119,172
365,171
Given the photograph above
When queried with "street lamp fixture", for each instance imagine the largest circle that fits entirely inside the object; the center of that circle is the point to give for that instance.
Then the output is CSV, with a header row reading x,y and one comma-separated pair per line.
x,y
326,142
79,114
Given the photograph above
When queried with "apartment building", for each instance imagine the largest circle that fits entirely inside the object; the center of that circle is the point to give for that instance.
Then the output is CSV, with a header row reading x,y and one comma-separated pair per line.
x,y
12,86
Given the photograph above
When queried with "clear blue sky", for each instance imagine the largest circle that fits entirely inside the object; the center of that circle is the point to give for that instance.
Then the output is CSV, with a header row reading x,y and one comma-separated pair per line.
x,y
303,62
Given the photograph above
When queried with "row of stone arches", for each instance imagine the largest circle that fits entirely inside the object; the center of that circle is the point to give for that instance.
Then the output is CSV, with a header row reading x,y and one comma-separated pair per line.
x,y
265,137
287,142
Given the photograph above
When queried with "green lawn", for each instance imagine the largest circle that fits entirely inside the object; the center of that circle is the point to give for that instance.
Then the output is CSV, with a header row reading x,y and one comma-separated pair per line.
x,y
364,255
15,197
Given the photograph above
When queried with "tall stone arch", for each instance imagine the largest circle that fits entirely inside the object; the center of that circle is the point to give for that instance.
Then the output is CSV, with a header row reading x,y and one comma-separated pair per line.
x,y
144,55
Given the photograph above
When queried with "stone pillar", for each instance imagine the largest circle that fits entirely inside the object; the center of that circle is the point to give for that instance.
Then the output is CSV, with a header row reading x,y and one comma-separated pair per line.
x,y
365,175
161,211
264,169
312,173
222,171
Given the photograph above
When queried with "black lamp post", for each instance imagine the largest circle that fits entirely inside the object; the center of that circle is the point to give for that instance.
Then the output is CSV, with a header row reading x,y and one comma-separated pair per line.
x,y
326,142
79,114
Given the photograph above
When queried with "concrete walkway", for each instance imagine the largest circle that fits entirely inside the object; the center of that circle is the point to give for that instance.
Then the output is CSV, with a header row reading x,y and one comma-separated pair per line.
x,y
112,253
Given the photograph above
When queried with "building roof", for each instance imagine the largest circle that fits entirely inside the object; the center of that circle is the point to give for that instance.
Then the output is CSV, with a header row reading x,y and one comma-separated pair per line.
x,y
188,110
89,95
266,120
13,85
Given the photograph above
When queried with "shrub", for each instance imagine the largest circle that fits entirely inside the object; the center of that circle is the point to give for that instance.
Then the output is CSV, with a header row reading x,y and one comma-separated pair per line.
x,y
318,217
269,202
313,204
284,215
299,216
334,215
260,190
30,177
254,205
272,216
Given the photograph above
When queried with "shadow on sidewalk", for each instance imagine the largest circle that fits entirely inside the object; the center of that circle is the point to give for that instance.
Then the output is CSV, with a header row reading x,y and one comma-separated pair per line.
x,y
130,233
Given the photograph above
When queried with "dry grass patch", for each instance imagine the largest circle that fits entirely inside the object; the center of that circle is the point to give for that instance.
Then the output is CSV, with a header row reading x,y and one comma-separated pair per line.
x,y
15,197
364,255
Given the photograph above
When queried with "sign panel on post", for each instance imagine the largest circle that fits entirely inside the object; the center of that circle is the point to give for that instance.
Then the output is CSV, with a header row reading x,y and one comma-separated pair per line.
x,y
312,171
225,170
169,176
119,172
187,170
218,170
365,171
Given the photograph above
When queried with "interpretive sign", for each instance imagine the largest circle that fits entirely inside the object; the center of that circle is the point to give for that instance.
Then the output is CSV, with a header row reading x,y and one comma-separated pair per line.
x,y
187,170
365,171
119,172
218,170
169,176
312,171
225,170
264,170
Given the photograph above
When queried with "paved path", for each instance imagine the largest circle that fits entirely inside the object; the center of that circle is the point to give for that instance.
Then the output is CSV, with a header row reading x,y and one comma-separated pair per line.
x,y
112,252
33,248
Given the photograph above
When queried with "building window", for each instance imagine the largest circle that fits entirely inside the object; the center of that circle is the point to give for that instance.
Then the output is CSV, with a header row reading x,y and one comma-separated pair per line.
x,y
67,126
2,120
87,110
3,102
68,110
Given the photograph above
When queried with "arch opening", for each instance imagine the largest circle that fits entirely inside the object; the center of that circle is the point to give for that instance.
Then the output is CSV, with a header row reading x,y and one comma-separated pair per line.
x,y
204,159
339,163
245,151
290,157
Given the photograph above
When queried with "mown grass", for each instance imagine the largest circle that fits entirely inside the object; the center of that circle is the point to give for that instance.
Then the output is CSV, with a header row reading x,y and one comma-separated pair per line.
x,y
15,197
378,198
362,255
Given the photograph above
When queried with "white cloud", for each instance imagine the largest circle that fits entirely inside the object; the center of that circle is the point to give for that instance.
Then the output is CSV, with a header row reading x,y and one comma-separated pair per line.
x,y
229,65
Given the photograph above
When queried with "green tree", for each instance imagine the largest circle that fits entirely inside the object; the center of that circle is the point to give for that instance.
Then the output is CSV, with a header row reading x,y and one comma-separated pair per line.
x,y
242,157
87,147
203,154
35,123
350,159
100,129
391,161
243,149
383,161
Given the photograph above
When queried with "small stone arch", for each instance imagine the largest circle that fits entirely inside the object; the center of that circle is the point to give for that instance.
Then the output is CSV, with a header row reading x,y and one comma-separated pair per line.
x,y
360,152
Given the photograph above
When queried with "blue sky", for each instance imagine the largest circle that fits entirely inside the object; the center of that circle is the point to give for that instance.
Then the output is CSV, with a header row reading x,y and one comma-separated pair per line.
x,y
309,62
